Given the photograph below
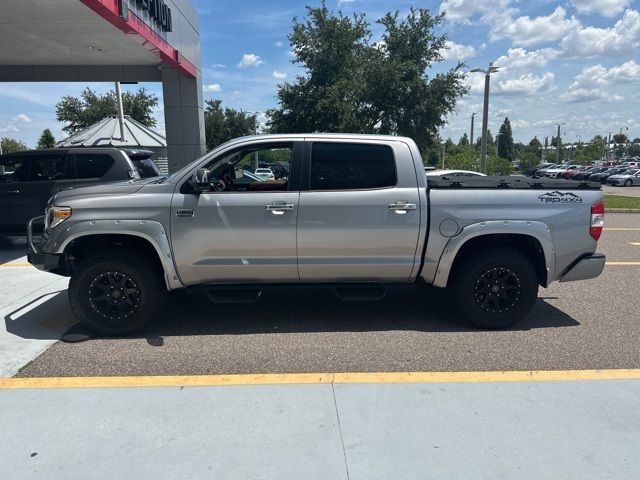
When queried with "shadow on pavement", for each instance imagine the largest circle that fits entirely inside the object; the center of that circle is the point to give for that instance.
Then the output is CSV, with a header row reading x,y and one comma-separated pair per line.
x,y
43,318
289,311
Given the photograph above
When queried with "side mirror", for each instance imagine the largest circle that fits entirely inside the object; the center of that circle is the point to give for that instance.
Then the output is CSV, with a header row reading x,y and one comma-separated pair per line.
x,y
199,182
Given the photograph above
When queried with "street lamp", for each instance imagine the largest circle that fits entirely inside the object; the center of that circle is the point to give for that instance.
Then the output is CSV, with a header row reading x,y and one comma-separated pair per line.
x,y
471,139
558,144
485,113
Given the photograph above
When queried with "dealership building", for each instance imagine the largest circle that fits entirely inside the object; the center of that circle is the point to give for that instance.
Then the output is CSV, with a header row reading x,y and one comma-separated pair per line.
x,y
113,41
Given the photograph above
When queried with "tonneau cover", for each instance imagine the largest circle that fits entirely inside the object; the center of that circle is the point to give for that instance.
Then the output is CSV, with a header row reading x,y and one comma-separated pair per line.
x,y
507,182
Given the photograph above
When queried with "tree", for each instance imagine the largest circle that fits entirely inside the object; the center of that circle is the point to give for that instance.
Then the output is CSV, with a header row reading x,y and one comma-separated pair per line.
x,y
464,141
10,145
534,145
590,151
633,150
505,146
351,84
46,140
90,108
498,166
223,124
620,138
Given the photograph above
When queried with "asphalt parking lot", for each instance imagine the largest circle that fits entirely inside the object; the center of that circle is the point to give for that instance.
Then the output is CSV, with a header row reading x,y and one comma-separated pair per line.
x,y
583,325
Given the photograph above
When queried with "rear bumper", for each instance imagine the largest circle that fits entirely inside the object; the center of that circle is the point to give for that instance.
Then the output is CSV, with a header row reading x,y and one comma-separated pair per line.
x,y
46,262
589,266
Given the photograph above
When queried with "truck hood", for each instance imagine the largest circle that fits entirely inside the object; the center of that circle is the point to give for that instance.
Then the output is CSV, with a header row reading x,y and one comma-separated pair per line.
x,y
111,188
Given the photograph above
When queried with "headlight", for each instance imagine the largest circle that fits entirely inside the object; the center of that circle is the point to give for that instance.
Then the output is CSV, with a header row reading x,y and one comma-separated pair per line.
x,y
57,215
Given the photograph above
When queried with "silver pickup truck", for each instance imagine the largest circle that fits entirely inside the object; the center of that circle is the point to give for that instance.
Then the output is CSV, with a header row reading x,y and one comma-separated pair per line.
x,y
356,213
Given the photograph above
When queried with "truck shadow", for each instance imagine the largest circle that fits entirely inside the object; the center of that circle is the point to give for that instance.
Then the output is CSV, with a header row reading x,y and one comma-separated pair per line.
x,y
288,311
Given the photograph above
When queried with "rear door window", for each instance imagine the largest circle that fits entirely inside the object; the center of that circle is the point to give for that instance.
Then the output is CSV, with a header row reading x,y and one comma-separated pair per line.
x,y
92,165
48,167
344,166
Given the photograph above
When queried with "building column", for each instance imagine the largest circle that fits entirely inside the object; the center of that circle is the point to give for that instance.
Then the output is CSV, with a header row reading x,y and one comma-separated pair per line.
x,y
183,117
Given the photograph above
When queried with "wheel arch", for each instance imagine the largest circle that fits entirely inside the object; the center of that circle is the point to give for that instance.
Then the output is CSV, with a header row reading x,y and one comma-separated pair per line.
x,y
532,239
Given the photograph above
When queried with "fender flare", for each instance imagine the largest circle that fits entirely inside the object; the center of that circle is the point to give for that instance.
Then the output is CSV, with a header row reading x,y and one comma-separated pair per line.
x,y
152,231
537,230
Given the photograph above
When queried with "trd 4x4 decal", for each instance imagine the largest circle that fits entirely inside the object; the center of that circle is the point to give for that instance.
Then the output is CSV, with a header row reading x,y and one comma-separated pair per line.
x,y
559,197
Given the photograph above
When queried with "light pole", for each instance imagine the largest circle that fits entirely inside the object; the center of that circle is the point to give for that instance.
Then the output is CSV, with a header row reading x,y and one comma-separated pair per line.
x,y
498,144
485,113
558,144
471,139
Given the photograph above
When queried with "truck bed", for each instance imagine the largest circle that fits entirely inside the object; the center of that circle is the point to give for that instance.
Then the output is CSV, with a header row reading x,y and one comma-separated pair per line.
x,y
507,182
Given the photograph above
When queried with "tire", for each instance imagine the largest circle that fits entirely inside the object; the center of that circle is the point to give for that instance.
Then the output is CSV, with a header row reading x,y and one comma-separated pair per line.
x,y
481,301
134,277
628,183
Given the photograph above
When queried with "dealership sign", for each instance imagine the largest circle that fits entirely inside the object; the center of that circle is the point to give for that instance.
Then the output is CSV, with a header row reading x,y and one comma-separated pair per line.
x,y
159,11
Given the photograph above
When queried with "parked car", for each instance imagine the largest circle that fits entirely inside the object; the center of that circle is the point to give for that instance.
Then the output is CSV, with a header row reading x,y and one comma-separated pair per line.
x,y
585,174
543,167
29,178
569,174
265,173
603,176
454,172
359,221
628,178
558,172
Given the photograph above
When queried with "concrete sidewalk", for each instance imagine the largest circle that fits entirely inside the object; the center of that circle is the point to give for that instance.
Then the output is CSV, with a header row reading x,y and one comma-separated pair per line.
x,y
512,430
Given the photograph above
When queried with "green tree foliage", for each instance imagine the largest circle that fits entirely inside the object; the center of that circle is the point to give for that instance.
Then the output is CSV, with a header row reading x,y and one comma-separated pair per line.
x,y
223,124
351,84
10,145
534,145
81,112
528,160
590,151
463,159
506,148
46,140
634,149
620,138
464,141
498,166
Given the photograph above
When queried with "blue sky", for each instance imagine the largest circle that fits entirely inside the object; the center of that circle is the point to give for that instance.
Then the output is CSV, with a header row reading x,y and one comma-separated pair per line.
x,y
576,62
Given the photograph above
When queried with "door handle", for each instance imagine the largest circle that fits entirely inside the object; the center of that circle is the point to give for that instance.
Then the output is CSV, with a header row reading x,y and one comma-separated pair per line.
x,y
279,208
402,207
11,191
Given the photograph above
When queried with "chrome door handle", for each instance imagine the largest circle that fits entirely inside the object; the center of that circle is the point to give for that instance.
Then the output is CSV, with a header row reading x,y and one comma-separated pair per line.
x,y
11,191
402,207
279,208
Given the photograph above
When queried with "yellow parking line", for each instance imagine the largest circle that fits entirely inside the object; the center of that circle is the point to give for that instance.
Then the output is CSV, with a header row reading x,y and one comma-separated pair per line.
x,y
319,378
622,263
15,264
636,244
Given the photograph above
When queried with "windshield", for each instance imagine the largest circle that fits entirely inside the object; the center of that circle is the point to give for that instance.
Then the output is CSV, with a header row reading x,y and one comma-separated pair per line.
x,y
146,167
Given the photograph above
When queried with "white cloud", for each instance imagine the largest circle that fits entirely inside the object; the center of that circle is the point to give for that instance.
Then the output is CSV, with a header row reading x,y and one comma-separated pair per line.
x,y
279,43
526,84
9,129
588,95
250,60
218,65
458,52
621,39
599,76
519,58
606,8
279,75
22,117
526,31
460,11
213,88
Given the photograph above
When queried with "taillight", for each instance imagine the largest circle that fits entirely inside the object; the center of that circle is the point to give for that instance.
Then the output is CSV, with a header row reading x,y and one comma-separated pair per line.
x,y
597,220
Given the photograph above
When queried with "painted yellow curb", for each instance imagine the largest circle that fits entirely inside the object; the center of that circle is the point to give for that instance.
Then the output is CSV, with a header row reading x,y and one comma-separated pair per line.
x,y
319,378
15,264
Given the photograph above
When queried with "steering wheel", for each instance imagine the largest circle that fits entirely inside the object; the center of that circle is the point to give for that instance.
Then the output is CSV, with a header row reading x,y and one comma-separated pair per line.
x,y
226,178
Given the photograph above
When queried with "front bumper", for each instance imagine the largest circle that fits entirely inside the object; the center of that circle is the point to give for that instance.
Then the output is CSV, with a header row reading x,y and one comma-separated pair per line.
x,y
588,266
47,262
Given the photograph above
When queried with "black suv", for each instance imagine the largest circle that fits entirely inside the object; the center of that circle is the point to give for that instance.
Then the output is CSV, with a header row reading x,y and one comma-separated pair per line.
x,y
29,178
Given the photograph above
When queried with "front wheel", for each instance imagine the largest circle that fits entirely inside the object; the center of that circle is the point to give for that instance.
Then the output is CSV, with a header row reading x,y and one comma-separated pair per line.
x,y
495,289
117,291
628,183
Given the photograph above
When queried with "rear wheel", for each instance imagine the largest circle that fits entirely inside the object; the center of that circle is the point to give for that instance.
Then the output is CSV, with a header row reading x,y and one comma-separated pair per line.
x,y
496,289
117,291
